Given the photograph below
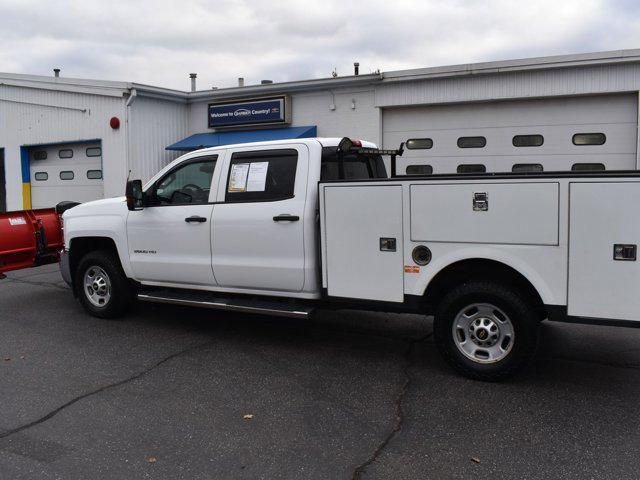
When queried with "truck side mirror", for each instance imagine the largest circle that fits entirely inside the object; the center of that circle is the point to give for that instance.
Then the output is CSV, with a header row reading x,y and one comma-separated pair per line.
x,y
134,195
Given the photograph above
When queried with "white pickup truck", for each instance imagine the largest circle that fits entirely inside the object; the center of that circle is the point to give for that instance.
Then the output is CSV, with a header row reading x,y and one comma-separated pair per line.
x,y
286,227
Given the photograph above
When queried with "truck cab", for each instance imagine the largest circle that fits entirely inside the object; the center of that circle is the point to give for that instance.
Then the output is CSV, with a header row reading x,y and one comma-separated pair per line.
x,y
240,219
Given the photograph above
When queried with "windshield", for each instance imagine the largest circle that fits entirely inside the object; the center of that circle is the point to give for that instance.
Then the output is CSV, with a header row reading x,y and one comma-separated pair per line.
x,y
355,166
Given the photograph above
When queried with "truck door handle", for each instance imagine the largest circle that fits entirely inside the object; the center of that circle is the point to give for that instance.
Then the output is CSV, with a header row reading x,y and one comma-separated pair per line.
x,y
195,219
285,217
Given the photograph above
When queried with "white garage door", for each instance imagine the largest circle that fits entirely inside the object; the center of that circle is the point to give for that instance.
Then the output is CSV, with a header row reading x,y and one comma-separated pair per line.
x,y
527,135
65,172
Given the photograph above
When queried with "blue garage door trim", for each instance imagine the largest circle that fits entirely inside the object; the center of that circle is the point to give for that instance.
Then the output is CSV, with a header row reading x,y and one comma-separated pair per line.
x,y
204,140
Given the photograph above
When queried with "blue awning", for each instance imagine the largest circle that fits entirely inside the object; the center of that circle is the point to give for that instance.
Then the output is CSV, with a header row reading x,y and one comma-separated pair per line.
x,y
203,140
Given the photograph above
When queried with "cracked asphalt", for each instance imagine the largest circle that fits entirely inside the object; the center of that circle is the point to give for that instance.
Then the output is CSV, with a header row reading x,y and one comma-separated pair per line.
x,y
164,394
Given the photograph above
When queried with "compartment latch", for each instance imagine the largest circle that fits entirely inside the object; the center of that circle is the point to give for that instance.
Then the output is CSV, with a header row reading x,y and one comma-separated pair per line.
x,y
387,244
480,202
625,252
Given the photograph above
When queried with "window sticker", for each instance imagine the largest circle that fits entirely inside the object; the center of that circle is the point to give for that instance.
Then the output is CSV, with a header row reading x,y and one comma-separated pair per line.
x,y
238,177
257,176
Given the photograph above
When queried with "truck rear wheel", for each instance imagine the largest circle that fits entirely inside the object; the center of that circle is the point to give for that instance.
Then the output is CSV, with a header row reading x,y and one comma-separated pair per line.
x,y
486,331
101,285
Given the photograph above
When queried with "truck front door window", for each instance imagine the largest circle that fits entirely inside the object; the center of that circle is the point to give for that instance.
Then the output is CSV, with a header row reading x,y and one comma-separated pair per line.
x,y
188,184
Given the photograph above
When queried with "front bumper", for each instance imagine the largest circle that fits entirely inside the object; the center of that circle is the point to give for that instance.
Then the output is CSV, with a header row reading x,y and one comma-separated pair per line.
x,y
65,267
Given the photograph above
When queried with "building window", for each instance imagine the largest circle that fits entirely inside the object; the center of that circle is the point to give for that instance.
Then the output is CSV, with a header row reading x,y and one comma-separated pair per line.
x,y
472,142
527,167
94,151
587,167
40,155
419,143
419,170
528,140
41,176
66,175
260,176
589,139
65,153
94,174
472,168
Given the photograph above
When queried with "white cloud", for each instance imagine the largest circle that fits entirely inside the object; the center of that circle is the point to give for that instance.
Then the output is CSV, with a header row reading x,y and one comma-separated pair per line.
x,y
159,42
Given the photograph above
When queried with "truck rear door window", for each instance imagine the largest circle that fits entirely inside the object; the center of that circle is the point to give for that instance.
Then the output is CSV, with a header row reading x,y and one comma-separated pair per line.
x,y
350,166
262,176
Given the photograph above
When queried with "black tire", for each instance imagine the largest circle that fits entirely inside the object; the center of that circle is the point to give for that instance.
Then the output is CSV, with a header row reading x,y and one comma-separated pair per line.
x,y
121,291
524,325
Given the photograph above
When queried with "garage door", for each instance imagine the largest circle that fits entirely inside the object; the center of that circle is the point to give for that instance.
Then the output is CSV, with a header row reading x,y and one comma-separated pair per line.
x,y
65,172
550,134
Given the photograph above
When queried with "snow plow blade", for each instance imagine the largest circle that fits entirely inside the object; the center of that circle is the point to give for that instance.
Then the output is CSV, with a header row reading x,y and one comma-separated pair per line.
x,y
29,238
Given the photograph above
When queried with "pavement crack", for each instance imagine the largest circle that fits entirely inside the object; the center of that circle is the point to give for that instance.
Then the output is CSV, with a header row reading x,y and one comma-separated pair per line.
x,y
132,378
360,469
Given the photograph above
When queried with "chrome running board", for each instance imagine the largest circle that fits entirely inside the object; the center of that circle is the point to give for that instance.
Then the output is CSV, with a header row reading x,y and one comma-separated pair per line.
x,y
248,305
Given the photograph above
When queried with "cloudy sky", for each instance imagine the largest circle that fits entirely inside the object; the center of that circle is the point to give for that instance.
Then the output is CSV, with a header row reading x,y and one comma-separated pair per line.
x,y
159,42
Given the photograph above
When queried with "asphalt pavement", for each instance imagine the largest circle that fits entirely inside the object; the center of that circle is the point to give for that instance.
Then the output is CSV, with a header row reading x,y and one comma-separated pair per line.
x,y
181,393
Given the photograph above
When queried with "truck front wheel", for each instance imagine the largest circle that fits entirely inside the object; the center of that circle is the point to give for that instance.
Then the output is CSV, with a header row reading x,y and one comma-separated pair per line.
x,y
486,331
101,285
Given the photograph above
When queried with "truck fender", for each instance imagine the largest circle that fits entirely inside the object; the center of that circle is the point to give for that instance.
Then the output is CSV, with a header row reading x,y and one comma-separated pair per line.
x,y
527,270
103,226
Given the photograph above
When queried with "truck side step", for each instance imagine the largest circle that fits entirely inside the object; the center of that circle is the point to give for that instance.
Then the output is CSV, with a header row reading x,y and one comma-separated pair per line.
x,y
239,304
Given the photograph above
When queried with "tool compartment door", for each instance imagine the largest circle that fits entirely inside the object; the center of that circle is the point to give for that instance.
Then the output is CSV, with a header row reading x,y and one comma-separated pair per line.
x,y
604,214
360,225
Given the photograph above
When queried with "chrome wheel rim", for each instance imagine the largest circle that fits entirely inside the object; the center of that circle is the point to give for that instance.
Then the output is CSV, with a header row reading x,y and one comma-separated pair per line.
x,y
483,333
97,286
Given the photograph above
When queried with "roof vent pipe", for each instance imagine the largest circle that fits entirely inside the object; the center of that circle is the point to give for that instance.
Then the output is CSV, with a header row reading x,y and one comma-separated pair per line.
x,y
266,82
356,68
193,76
56,72
240,81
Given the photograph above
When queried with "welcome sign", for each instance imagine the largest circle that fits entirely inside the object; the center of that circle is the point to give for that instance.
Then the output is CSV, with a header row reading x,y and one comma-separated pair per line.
x,y
248,112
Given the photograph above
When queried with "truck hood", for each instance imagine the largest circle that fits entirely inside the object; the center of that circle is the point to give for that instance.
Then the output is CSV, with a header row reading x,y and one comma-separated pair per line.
x,y
97,207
